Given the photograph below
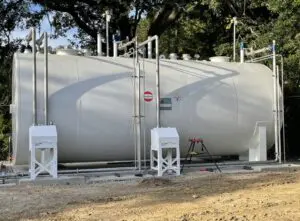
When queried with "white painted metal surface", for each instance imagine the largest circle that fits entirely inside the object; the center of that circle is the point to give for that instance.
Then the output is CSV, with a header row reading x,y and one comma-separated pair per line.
x,y
164,138
91,103
219,59
165,141
66,51
258,144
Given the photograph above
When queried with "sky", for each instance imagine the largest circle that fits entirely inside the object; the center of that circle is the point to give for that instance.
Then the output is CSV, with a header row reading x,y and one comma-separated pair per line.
x,y
45,26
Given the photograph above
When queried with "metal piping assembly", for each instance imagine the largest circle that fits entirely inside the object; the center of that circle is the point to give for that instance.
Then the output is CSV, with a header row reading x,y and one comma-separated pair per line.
x,y
282,106
242,52
234,36
99,44
107,19
115,49
46,78
278,111
276,95
275,101
137,101
34,103
150,48
155,38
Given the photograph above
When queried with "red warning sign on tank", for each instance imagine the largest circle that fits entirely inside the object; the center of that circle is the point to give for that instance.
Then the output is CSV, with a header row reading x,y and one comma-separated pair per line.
x,y
148,96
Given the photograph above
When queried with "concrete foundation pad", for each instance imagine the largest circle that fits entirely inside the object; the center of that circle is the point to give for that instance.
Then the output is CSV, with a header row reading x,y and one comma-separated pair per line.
x,y
129,176
64,180
7,185
115,179
279,168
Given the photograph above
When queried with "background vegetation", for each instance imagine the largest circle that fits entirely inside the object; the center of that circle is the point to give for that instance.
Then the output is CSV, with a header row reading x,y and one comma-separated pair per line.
x,y
201,27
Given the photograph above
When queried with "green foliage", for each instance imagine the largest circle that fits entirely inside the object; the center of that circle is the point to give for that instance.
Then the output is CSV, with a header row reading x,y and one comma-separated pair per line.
x,y
13,14
142,30
5,128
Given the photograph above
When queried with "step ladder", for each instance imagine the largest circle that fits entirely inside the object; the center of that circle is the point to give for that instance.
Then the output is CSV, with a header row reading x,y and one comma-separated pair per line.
x,y
204,152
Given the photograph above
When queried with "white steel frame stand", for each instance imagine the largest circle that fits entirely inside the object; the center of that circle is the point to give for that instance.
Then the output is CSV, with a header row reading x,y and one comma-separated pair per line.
x,y
44,139
258,144
165,140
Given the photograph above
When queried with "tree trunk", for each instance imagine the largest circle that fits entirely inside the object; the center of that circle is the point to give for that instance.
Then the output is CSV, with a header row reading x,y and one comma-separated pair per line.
x,y
164,18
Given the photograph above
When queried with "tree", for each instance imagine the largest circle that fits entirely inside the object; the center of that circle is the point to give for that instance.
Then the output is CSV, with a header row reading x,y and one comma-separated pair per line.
x,y
87,15
202,27
13,13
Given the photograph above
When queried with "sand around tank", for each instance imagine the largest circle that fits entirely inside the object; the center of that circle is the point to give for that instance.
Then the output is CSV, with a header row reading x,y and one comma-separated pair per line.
x,y
257,196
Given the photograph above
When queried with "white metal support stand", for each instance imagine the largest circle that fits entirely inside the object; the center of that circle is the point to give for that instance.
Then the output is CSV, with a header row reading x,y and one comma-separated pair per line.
x,y
164,141
43,139
258,144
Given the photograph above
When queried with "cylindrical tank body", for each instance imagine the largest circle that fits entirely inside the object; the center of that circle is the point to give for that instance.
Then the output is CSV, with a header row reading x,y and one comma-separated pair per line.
x,y
91,100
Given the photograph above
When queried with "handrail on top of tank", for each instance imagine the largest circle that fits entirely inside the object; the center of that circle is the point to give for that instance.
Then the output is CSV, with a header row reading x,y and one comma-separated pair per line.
x,y
121,45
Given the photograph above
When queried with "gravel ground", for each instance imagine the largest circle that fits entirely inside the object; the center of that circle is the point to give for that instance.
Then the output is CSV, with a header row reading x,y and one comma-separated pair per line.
x,y
257,196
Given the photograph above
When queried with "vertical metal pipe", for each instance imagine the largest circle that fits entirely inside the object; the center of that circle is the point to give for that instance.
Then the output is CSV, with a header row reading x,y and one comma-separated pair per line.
x,y
282,105
149,48
107,36
46,77
234,37
115,49
134,110
242,52
144,111
275,111
9,148
138,117
278,112
34,104
99,44
157,83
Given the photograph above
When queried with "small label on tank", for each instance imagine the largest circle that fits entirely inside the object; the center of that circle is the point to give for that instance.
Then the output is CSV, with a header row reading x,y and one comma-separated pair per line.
x,y
165,103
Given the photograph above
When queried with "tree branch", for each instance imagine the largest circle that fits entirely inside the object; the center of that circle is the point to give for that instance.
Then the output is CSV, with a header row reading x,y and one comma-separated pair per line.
x,y
90,31
165,17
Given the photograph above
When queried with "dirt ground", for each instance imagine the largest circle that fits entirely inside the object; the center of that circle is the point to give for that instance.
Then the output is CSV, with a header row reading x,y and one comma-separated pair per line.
x,y
257,196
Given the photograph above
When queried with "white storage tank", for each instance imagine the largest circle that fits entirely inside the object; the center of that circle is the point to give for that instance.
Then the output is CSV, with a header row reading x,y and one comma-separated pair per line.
x,y
91,102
